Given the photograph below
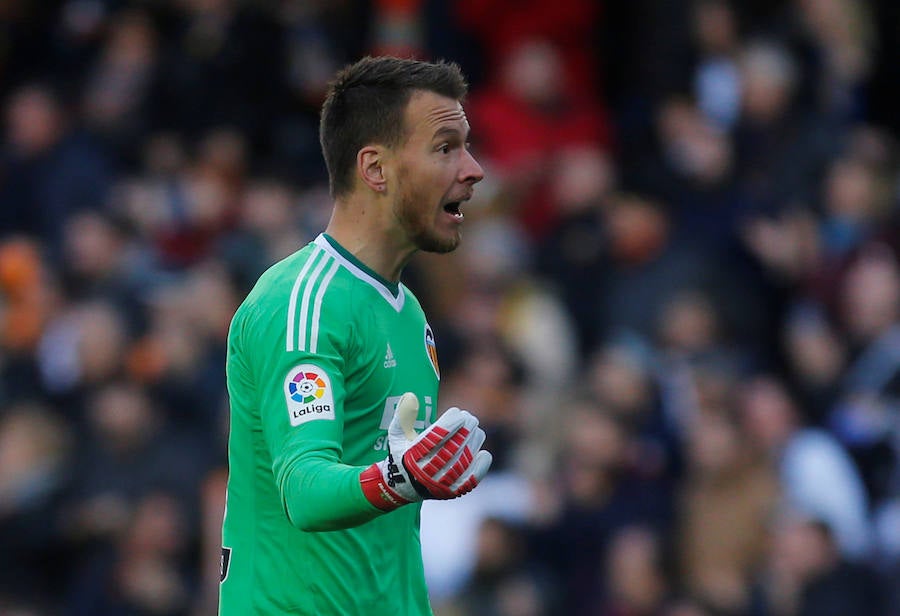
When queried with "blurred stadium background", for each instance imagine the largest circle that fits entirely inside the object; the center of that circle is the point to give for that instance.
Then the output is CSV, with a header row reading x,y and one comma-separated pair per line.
x,y
675,309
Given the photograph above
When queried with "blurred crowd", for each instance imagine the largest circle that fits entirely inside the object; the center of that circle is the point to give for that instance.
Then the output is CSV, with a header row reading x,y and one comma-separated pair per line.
x,y
676,309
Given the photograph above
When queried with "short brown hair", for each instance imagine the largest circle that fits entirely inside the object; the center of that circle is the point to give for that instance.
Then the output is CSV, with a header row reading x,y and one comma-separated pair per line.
x,y
366,102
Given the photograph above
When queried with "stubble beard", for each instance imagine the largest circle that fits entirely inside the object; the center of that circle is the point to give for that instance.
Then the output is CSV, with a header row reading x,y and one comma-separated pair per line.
x,y
419,225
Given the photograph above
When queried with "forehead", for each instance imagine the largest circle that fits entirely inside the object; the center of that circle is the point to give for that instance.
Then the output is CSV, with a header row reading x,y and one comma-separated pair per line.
x,y
428,112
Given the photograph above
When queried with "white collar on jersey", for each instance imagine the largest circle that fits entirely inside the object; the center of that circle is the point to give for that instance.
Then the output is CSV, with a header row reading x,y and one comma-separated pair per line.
x,y
396,301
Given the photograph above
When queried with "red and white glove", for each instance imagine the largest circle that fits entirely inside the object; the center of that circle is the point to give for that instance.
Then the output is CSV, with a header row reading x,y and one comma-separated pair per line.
x,y
443,462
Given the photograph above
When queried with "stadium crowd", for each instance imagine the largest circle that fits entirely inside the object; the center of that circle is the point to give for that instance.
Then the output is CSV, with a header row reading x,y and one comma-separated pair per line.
x,y
675,309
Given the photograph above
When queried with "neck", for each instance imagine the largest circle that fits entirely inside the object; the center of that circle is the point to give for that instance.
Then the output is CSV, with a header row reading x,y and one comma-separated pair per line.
x,y
364,229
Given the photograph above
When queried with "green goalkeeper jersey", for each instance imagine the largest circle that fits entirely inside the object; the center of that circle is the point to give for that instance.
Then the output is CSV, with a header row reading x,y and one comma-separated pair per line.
x,y
318,356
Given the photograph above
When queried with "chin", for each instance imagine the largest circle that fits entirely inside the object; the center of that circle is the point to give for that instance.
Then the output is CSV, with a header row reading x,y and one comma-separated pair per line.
x,y
440,245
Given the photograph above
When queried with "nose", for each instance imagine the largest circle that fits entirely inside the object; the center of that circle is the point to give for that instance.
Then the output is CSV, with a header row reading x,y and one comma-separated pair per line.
x,y
471,171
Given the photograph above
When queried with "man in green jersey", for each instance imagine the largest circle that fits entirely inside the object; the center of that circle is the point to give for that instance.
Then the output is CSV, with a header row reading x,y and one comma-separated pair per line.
x,y
332,370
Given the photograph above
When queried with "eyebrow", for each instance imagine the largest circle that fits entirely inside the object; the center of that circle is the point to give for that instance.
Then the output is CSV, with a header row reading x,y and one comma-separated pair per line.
x,y
447,131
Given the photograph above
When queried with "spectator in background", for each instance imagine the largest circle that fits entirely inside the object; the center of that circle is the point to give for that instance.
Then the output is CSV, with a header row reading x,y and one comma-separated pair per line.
x,y
131,450
121,86
637,580
142,575
716,81
725,504
524,119
694,170
266,231
780,149
808,576
104,262
501,26
816,476
81,348
650,265
573,257
29,299
48,169
817,357
855,212
183,207
853,207
622,378
504,581
864,415
35,459
834,40
180,354
225,68
318,37
598,495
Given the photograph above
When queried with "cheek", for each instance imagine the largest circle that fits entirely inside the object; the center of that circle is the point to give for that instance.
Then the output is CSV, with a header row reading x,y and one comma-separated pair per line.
x,y
425,183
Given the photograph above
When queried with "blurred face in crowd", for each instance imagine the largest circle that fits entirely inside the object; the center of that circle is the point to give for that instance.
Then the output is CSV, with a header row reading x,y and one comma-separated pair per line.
x,y
583,178
132,40
533,72
92,245
871,296
594,439
692,145
266,208
638,229
689,323
102,340
434,172
122,416
801,549
686,607
767,413
158,525
767,80
714,445
497,546
621,382
850,191
33,121
31,441
715,27
596,449
815,352
635,578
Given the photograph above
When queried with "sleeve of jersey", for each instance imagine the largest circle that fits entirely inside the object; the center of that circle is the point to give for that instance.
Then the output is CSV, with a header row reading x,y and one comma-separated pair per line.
x,y
302,408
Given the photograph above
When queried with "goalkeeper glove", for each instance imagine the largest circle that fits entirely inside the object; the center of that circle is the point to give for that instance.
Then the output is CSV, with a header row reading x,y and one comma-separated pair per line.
x,y
443,462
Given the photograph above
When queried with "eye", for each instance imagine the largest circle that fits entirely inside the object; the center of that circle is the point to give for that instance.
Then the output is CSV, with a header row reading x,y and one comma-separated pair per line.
x,y
444,148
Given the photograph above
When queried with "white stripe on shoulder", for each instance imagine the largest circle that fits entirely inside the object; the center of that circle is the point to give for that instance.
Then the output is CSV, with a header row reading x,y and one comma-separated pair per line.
x,y
295,291
317,307
304,305
395,301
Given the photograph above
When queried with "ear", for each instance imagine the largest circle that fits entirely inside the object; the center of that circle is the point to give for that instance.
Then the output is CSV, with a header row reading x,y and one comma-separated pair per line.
x,y
369,161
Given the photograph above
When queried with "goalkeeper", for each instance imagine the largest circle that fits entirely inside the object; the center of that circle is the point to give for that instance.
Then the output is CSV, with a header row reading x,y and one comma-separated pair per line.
x,y
332,369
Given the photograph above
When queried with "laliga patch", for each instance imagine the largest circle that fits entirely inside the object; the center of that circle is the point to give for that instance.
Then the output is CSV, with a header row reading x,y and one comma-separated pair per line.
x,y
431,349
307,391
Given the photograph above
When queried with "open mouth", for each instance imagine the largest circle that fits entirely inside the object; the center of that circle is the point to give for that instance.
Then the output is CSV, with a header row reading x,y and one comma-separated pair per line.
x,y
452,208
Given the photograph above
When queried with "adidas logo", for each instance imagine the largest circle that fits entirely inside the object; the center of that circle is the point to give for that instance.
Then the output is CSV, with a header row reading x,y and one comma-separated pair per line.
x,y
389,361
